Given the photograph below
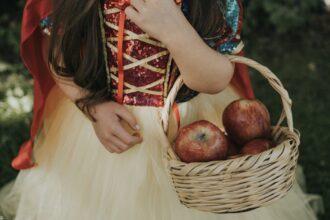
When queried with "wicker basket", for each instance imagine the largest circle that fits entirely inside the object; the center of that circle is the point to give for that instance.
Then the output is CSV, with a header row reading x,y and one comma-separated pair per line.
x,y
244,183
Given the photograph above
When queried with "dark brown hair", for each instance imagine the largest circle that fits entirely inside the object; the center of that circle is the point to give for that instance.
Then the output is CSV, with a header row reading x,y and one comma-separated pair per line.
x,y
76,45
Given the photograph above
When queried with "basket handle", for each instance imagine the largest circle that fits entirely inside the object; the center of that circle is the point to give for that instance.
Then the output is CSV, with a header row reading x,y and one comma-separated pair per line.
x,y
272,79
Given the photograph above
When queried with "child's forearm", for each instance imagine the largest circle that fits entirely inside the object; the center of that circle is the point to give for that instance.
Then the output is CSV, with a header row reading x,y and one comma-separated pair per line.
x,y
202,68
73,92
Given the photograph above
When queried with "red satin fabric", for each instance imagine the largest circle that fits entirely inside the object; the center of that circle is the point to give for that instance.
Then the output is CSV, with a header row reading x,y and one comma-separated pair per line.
x,y
241,80
121,26
31,53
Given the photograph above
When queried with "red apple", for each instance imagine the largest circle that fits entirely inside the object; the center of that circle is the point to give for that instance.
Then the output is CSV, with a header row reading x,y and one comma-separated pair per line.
x,y
201,141
245,120
256,146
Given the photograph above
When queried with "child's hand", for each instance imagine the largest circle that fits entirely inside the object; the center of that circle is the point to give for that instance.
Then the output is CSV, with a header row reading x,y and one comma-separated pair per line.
x,y
158,18
109,127
205,70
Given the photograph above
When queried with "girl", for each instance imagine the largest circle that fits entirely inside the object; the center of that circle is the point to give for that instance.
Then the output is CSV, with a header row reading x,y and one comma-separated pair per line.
x,y
116,62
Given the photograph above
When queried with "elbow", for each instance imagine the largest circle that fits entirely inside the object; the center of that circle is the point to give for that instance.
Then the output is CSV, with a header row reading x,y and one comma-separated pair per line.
x,y
214,91
222,80
212,85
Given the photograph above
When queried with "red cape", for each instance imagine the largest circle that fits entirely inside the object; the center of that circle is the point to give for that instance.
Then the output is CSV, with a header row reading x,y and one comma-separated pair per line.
x,y
31,53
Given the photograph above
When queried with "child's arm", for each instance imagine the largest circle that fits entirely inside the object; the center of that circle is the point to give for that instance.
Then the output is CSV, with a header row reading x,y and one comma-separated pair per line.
x,y
202,68
108,127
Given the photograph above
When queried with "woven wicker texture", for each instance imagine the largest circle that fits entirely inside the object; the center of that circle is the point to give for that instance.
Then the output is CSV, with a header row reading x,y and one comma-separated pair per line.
x,y
244,183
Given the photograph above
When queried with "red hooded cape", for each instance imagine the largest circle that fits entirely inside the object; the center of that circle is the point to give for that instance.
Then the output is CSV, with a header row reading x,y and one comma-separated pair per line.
x,y
31,53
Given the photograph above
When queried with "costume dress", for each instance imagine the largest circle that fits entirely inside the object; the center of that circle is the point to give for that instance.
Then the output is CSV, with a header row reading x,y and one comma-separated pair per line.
x,y
67,174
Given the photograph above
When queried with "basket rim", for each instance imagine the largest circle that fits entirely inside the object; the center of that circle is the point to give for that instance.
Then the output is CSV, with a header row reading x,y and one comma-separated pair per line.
x,y
272,79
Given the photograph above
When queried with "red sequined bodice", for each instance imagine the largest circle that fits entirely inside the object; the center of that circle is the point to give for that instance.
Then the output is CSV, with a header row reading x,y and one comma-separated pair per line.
x,y
146,61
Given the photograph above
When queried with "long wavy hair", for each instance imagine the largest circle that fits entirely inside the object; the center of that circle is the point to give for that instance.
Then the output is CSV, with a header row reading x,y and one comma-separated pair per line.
x,y
76,49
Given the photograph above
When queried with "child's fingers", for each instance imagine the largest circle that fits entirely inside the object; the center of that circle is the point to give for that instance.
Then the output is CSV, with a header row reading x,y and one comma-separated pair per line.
x,y
117,142
123,113
124,136
110,146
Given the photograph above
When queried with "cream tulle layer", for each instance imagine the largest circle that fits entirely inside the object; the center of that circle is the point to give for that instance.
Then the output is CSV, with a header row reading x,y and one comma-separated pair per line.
x,y
78,179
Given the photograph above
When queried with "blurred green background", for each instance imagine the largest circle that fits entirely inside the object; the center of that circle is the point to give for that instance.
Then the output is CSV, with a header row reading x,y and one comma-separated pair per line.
x,y
289,36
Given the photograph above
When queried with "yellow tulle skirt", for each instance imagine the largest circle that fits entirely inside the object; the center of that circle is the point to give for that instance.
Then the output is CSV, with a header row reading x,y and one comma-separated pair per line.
x,y
78,179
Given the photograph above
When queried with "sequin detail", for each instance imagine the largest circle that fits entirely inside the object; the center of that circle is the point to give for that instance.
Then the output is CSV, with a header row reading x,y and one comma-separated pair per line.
x,y
232,16
228,39
146,61
46,25
233,20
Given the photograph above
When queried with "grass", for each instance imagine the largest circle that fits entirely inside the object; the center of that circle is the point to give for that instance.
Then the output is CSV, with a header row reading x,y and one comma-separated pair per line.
x,y
14,120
